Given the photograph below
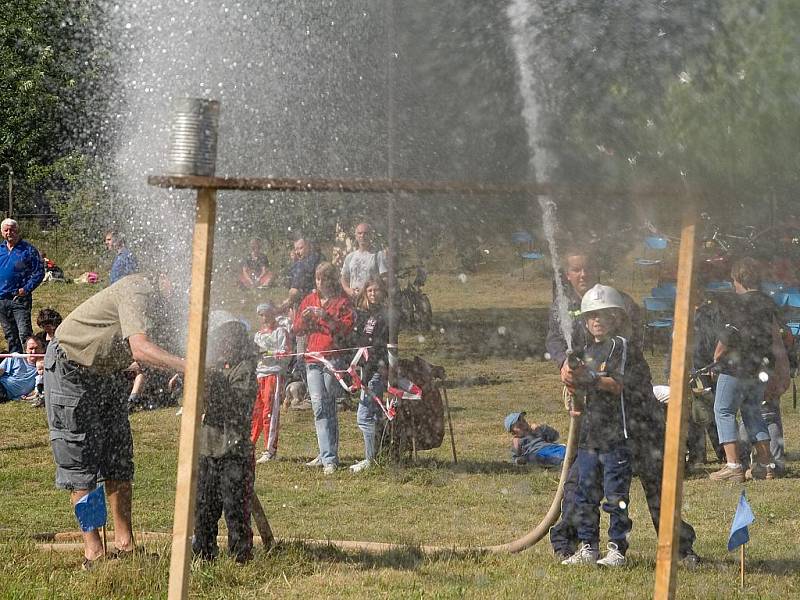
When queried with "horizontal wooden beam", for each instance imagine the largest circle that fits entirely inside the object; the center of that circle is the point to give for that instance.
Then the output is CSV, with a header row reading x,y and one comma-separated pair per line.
x,y
377,186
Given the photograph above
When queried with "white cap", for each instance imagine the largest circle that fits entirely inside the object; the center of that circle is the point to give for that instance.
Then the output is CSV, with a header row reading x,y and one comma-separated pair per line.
x,y
600,297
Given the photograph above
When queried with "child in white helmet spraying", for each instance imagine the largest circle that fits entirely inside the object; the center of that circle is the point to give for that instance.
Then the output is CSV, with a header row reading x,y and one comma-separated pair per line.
x,y
603,459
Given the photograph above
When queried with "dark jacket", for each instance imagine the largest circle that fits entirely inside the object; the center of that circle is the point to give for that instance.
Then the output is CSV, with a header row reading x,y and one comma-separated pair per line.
x,y
646,420
372,329
230,395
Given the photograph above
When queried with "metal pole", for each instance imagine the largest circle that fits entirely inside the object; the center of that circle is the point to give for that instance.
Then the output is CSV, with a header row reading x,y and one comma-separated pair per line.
x,y
391,274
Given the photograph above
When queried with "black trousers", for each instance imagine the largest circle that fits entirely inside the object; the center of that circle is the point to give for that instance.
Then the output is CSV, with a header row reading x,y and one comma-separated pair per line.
x,y
224,485
648,466
15,319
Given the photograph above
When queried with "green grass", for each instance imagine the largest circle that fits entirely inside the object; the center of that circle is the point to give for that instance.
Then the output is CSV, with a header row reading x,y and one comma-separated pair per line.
x,y
482,500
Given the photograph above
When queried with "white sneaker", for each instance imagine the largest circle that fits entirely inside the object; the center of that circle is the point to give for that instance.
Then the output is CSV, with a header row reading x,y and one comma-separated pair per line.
x,y
265,457
329,469
361,466
613,558
179,412
317,462
585,555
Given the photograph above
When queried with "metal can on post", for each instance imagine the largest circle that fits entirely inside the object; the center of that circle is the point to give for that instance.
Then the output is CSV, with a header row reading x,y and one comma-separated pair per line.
x,y
193,137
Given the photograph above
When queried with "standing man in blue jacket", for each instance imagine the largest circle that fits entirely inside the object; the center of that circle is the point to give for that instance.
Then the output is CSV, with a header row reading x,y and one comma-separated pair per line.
x,y
21,272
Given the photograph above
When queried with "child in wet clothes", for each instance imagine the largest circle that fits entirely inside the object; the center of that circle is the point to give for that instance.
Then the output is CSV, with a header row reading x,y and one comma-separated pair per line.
x,y
226,469
533,443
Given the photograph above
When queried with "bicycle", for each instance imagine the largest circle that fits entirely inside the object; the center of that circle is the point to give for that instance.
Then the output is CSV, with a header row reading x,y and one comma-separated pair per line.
x,y
413,306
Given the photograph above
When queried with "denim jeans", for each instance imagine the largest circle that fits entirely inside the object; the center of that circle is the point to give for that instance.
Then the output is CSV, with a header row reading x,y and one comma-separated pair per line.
x,y
604,474
772,417
734,393
15,318
369,414
321,388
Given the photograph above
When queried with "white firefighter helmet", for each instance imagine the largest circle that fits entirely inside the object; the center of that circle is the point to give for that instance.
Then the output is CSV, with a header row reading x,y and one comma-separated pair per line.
x,y
218,318
600,297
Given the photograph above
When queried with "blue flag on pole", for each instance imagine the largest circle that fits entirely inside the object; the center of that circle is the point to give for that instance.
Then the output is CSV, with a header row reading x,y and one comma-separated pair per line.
x,y
743,517
91,510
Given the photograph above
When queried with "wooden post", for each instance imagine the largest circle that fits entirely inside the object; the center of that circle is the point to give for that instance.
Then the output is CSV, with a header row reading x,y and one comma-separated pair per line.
x,y
677,413
741,566
186,485
262,524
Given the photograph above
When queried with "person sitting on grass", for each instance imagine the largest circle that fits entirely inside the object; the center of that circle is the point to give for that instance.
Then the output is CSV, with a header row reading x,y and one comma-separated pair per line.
x,y
36,397
273,346
254,268
604,459
226,470
533,442
18,374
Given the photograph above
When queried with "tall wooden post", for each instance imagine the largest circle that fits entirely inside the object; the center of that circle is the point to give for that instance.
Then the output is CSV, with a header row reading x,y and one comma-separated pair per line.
x,y
186,485
677,413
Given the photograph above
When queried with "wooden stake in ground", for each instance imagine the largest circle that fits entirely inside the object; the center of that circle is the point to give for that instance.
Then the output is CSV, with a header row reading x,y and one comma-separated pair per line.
x,y
677,413
741,565
186,485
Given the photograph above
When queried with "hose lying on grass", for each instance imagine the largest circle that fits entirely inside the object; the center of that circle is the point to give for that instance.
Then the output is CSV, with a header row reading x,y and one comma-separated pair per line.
x,y
61,541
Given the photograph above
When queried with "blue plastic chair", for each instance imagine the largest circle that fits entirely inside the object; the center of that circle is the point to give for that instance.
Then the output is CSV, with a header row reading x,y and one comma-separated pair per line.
x,y
658,315
779,298
655,242
719,286
769,287
651,243
667,291
522,238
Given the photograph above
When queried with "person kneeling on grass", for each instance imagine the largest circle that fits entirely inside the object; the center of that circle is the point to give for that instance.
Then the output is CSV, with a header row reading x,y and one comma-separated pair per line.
x,y
227,470
533,442
604,459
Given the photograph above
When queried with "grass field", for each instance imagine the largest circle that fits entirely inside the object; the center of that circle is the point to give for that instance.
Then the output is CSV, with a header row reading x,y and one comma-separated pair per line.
x,y
489,333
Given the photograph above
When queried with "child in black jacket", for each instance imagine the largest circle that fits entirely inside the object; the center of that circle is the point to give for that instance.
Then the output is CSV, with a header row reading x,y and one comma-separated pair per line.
x,y
226,470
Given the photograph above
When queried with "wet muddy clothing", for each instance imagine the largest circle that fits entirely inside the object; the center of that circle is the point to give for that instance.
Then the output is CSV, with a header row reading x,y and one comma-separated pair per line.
x,y
224,486
87,415
230,396
226,473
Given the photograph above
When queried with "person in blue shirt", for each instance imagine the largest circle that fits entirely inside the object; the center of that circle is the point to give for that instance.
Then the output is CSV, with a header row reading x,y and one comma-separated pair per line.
x,y
18,374
21,272
124,261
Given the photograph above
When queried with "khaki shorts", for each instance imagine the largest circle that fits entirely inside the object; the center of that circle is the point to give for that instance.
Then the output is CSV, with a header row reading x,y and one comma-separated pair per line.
x,y
87,415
